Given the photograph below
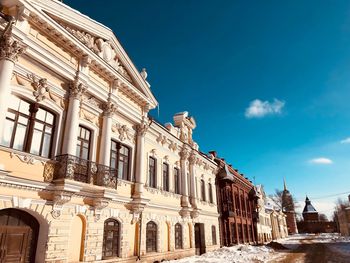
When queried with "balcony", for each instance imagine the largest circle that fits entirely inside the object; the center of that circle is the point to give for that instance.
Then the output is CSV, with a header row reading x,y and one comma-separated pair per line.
x,y
74,168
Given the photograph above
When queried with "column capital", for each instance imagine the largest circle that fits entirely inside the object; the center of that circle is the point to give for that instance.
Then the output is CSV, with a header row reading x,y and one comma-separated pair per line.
x,y
192,158
10,49
76,88
185,153
142,128
109,108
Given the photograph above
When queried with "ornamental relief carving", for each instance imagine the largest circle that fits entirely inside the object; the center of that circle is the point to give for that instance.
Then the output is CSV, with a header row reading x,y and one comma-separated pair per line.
x,y
90,117
41,88
109,108
27,158
123,131
162,139
76,88
100,47
10,49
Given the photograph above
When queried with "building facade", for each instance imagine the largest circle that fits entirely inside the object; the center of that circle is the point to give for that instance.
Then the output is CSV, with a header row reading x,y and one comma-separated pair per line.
x,y
237,205
264,227
311,222
289,210
343,218
86,175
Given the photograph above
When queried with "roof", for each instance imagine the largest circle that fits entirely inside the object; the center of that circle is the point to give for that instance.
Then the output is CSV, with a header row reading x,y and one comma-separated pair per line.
x,y
308,208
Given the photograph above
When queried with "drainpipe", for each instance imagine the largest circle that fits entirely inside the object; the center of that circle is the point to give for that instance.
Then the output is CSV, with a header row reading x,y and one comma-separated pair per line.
x,y
140,235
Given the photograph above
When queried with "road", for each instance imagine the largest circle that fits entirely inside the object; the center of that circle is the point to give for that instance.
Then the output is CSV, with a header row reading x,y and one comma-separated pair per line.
x,y
314,249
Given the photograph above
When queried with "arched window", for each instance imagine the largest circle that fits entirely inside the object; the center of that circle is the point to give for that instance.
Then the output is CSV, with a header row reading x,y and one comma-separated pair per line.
x,y
213,235
28,127
178,236
177,180
111,237
151,237
166,177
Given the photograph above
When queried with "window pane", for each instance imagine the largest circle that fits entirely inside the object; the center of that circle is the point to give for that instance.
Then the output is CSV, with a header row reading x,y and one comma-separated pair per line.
x,y
11,115
49,118
18,143
36,141
23,120
39,126
45,152
40,115
14,103
8,129
85,153
24,107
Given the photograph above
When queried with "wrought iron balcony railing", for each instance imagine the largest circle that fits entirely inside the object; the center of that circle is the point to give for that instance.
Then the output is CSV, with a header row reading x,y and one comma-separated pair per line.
x,y
71,167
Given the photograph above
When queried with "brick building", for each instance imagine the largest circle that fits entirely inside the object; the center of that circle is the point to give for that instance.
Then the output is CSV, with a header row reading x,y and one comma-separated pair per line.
x,y
236,199
311,221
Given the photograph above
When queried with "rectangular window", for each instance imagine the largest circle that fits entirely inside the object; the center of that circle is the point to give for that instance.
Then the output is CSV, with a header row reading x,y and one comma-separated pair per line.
x,y
152,172
120,159
83,143
28,128
210,190
177,181
203,190
165,177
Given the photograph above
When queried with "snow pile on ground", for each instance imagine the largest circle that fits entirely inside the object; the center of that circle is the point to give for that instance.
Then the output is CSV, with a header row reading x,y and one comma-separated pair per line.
x,y
292,242
235,254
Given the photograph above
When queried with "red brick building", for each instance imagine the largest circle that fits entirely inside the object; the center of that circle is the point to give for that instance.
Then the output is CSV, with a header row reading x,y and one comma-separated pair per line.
x,y
237,206
312,223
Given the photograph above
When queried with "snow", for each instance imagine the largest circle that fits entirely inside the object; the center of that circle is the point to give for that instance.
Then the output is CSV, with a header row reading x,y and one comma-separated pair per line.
x,y
235,254
262,254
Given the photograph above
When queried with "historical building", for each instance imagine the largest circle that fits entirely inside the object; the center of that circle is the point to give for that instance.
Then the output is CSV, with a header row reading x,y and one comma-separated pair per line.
x,y
343,218
311,222
85,174
271,220
237,205
289,210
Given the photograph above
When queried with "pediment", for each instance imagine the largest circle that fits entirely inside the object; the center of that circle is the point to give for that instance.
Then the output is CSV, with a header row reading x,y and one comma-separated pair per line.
x,y
97,38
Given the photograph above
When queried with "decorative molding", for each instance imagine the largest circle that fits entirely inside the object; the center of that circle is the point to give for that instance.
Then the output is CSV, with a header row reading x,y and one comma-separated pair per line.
x,y
9,48
60,198
109,108
173,146
142,128
162,139
185,153
41,89
100,47
27,158
76,88
90,117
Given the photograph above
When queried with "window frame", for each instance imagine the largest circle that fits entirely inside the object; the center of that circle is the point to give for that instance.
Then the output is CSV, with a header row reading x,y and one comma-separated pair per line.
x,y
115,251
31,117
152,173
213,235
178,236
165,174
177,181
82,140
203,195
119,146
210,193
151,247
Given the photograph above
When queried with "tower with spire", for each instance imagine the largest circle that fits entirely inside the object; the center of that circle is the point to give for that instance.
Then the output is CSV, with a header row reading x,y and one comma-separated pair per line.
x,y
309,212
289,209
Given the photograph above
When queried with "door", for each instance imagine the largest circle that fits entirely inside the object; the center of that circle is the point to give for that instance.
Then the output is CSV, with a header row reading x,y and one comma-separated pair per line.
x,y
18,236
199,238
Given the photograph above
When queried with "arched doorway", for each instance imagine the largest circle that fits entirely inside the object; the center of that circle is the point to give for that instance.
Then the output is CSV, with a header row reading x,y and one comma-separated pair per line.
x,y
18,236
76,239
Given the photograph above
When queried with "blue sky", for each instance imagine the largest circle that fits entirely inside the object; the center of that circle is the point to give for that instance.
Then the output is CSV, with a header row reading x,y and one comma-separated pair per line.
x,y
289,61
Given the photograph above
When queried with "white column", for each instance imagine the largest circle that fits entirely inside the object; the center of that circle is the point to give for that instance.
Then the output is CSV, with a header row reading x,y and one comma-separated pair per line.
x,y
192,159
72,121
184,154
105,147
9,52
140,169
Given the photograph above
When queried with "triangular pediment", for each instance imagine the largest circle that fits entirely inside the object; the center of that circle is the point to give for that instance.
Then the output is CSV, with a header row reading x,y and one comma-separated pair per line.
x,y
99,39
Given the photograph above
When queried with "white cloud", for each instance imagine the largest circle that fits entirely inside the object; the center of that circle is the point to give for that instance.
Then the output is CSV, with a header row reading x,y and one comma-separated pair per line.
x,y
321,160
346,140
259,109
